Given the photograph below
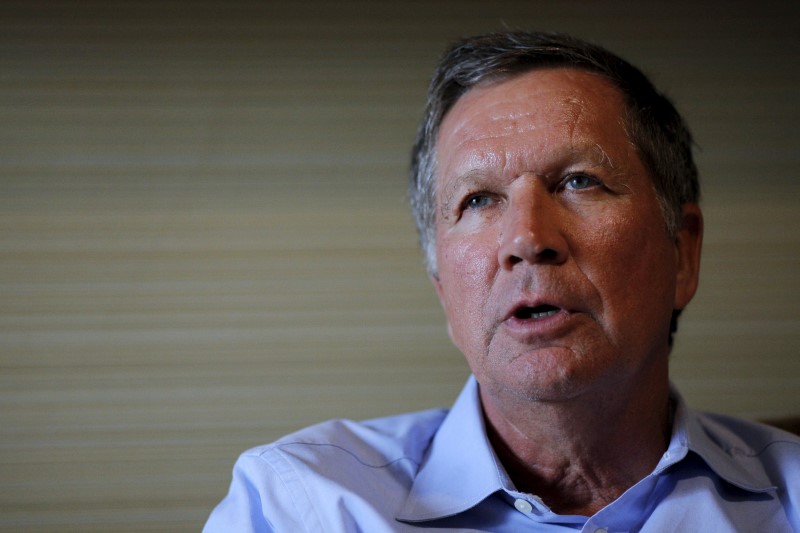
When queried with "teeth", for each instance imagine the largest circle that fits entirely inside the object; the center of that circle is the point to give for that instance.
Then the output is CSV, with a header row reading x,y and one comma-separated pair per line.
x,y
543,314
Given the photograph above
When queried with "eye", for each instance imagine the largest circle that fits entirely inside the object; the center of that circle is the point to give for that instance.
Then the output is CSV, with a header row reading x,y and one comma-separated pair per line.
x,y
578,182
477,201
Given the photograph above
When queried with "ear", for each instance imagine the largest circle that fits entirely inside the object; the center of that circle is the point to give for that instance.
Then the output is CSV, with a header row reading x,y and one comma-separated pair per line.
x,y
437,284
688,244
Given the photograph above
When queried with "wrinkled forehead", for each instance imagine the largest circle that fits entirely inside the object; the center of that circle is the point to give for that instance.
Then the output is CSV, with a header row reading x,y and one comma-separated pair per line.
x,y
577,108
570,90
578,80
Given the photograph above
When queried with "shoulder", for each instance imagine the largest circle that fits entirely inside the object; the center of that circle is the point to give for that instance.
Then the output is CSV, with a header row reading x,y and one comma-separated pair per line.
x,y
371,442
753,438
763,450
321,473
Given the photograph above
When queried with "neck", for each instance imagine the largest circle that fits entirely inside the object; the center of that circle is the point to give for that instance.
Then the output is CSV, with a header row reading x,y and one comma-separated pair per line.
x,y
580,455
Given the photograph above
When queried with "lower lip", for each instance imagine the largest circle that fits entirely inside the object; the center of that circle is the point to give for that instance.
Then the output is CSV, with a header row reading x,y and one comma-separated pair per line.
x,y
526,329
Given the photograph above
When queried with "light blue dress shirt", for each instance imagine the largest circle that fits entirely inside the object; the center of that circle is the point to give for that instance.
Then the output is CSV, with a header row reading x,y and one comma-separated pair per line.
x,y
435,471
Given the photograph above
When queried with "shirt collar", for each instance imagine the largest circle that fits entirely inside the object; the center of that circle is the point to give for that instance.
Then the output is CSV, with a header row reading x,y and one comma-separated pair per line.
x,y
722,449
460,468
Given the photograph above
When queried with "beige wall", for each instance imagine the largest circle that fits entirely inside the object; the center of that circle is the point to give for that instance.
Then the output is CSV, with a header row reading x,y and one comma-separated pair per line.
x,y
204,242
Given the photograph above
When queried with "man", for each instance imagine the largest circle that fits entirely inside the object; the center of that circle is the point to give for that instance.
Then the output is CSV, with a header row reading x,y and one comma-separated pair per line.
x,y
556,199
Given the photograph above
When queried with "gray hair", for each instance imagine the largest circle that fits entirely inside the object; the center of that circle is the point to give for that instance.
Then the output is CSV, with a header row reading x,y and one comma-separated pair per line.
x,y
655,127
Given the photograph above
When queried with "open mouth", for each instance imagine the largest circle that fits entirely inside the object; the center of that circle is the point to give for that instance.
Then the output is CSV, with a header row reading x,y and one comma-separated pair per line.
x,y
532,313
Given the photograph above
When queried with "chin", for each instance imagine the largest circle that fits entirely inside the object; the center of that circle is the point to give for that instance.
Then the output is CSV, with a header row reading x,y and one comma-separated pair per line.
x,y
539,387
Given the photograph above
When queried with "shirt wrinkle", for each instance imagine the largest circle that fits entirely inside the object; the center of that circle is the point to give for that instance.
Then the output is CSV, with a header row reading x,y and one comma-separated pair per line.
x,y
716,445
351,454
437,469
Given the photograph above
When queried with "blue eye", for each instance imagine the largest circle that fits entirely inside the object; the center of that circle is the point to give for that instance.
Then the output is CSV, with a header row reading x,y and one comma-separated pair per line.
x,y
580,181
477,201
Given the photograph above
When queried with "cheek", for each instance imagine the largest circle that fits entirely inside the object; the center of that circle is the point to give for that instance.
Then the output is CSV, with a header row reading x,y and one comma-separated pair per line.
x,y
468,259
466,269
630,261
615,245
623,238
600,242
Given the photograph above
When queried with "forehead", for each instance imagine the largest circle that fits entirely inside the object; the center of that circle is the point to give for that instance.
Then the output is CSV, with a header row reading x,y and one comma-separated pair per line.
x,y
564,106
542,91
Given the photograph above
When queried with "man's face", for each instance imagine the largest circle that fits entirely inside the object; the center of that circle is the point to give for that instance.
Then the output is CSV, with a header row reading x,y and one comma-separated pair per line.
x,y
555,269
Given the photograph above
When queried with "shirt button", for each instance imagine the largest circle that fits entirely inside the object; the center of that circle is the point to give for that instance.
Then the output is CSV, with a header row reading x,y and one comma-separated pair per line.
x,y
523,506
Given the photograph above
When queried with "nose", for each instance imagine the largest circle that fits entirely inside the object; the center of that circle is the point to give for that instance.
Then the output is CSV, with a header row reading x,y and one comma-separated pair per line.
x,y
532,231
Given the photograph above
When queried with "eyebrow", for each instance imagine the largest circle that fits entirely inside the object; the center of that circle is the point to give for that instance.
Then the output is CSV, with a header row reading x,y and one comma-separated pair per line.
x,y
593,154
471,179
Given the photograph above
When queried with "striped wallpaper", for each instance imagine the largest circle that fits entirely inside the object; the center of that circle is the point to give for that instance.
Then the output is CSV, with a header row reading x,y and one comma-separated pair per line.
x,y
204,241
